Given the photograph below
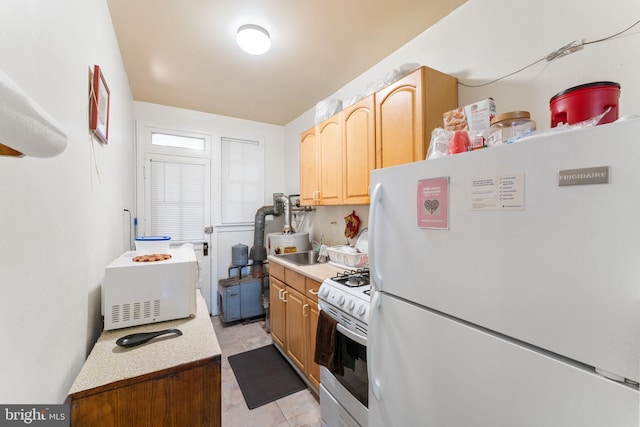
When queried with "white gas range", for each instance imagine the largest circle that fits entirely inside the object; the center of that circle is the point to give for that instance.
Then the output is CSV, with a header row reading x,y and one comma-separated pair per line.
x,y
346,298
344,394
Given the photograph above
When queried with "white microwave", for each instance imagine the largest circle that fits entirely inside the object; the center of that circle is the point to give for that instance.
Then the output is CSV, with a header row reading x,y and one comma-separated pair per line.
x,y
137,293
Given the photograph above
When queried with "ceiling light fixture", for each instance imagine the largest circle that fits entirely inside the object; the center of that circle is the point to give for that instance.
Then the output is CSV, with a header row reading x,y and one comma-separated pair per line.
x,y
253,39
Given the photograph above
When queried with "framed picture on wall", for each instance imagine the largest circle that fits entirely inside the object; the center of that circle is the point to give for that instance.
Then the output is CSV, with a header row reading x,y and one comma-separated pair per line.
x,y
100,102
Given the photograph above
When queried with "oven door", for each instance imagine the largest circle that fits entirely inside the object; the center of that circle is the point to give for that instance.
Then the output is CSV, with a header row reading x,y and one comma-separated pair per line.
x,y
351,389
354,364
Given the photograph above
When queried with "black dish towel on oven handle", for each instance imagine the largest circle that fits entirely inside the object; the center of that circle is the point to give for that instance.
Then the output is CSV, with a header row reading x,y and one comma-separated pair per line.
x,y
328,352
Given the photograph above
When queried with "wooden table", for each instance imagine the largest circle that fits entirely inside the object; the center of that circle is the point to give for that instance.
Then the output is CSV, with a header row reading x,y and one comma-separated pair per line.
x,y
169,381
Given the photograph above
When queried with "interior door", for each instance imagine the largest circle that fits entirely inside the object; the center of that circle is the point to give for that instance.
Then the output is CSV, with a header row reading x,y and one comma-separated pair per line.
x,y
177,204
173,192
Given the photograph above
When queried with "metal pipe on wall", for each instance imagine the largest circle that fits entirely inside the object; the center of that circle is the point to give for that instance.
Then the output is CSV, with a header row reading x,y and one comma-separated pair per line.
x,y
258,252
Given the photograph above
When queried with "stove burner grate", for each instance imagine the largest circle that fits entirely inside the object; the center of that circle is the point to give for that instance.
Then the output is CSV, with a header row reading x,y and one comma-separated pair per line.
x,y
353,278
355,281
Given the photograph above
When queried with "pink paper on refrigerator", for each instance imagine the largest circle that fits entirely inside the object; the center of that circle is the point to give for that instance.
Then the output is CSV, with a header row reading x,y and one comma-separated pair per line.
x,y
433,203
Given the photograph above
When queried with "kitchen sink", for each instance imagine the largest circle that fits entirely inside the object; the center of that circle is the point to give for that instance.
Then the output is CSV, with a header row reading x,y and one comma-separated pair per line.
x,y
301,258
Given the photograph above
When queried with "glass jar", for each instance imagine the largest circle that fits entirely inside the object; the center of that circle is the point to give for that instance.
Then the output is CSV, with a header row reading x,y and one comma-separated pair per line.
x,y
513,125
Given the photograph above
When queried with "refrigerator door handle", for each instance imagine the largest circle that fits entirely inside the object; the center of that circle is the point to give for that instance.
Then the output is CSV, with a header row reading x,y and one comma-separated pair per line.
x,y
376,195
373,380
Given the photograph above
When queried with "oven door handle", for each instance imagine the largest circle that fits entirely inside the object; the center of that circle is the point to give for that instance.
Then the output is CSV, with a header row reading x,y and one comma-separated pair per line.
x,y
362,340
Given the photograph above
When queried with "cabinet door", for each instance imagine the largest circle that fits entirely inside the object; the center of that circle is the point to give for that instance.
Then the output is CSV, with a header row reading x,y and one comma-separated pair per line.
x,y
309,186
311,315
358,138
399,130
407,111
330,154
277,311
313,369
295,326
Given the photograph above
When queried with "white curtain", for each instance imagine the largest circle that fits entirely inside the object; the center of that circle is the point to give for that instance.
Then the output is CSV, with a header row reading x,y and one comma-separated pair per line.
x,y
178,197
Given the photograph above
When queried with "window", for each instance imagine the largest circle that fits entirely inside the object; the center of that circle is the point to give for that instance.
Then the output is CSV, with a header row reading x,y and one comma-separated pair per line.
x,y
242,180
177,141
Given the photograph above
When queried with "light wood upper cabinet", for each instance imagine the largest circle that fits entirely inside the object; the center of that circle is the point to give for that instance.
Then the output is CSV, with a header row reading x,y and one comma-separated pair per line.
x,y
329,139
407,111
389,128
343,147
309,179
358,139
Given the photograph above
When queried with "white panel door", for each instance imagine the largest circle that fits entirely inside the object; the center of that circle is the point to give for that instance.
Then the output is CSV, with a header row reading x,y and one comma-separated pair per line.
x,y
174,191
177,200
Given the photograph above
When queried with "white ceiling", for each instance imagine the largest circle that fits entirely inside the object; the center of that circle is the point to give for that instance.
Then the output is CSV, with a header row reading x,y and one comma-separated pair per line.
x,y
182,53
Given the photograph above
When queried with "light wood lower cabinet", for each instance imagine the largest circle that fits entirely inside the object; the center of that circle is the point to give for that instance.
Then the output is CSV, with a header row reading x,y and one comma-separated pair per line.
x,y
313,369
295,344
277,311
294,318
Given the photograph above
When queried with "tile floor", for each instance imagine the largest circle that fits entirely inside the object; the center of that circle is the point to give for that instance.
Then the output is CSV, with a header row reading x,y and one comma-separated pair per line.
x,y
300,409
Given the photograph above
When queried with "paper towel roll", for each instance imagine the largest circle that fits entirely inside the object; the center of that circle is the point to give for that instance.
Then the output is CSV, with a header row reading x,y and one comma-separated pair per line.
x,y
25,126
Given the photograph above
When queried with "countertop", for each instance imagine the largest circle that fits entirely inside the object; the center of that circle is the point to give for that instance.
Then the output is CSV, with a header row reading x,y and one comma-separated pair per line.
x,y
109,363
317,272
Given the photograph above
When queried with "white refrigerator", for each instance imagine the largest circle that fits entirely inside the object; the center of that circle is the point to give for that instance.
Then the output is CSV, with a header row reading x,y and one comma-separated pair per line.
x,y
506,285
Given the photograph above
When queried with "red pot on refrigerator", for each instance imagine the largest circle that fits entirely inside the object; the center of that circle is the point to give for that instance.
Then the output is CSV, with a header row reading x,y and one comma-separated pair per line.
x,y
585,101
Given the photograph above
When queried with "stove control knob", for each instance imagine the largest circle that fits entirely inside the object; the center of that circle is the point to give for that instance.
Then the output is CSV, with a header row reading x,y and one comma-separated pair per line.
x,y
341,300
362,310
351,305
324,292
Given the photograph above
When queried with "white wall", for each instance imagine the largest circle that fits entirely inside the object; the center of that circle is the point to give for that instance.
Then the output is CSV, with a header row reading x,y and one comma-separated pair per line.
x,y
486,39
61,218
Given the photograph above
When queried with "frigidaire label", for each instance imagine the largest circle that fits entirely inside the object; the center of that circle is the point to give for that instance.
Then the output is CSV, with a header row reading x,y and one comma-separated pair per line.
x,y
584,176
